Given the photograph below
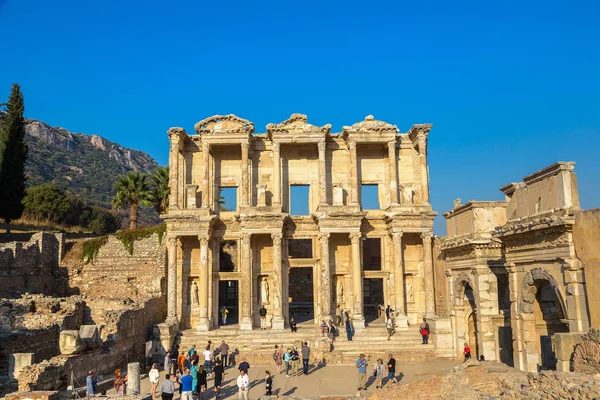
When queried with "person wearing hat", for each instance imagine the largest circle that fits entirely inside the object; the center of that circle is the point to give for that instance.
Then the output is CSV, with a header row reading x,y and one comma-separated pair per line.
x,y
361,364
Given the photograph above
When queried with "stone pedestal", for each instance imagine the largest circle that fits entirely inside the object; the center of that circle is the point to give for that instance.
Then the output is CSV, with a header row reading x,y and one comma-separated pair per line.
x,y
401,321
164,337
133,379
442,337
17,361
564,347
70,342
90,336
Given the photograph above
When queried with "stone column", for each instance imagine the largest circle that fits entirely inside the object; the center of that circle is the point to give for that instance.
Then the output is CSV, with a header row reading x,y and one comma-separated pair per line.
x,y
428,275
245,284
133,379
325,277
401,319
174,171
203,323
393,177
353,174
172,280
357,281
244,166
18,361
278,320
322,173
276,176
206,176
424,170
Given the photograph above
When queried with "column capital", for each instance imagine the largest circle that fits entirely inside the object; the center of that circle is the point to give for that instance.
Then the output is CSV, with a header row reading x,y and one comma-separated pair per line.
x,y
324,236
422,142
322,145
355,237
352,145
277,237
172,240
426,236
205,146
203,239
245,146
391,145
276,146
398,235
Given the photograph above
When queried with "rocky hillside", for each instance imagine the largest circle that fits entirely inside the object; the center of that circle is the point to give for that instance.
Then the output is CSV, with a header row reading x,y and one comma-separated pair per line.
x,y
85,165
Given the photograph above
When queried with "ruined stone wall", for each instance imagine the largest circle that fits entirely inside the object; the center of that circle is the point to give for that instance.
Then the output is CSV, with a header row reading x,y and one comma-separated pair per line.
x,y
441,286
586,236
132,328
30,266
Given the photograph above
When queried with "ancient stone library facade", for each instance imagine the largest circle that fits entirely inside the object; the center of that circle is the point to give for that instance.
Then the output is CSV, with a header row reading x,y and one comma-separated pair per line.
x,y
312,220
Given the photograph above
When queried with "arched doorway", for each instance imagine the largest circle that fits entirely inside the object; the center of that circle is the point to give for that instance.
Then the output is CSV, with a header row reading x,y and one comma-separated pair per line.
x,y
549,320
471,334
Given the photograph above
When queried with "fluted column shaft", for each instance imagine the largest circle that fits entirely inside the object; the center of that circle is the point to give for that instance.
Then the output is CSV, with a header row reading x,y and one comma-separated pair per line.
x,y
393,176
244,166
424,170
322,173
353,173
206,175
399,273
276,175
325,277
172,279
357,280
246,284
428,274
174,173
278,320
203,323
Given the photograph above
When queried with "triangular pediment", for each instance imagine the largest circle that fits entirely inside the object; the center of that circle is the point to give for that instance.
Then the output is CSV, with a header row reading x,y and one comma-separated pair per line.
x,y
370,124
297,123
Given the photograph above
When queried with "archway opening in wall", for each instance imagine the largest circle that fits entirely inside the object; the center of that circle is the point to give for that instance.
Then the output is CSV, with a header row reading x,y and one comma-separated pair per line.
x,y
302,305
472,328
549,320
229,300
372,299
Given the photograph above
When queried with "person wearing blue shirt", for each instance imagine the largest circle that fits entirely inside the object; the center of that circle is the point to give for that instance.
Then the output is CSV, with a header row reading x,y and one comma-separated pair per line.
x,y
90,384
361,364
186,382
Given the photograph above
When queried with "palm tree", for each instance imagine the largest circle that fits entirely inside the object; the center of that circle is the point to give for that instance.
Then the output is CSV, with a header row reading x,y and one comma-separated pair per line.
x,y
132,190
160,189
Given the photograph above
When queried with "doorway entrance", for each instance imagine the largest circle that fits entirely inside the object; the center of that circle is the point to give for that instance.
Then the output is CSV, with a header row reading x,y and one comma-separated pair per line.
x,y
549,319
372,298
302,305
228,298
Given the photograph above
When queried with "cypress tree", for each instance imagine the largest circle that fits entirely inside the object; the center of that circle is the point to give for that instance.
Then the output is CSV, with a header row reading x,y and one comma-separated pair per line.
x,y
13,154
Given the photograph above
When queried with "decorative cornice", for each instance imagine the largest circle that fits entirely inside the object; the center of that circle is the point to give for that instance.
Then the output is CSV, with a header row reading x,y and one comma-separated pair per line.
x,y
370,124
297,122
219,124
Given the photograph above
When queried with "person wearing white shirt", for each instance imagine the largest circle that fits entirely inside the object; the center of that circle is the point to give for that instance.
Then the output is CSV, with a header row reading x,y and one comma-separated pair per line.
x,y
243,384
153,375
207,358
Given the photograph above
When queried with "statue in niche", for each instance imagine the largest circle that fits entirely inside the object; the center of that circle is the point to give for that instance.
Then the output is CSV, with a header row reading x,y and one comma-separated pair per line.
x,y
264,291
410,295
194,291
339,292
407,194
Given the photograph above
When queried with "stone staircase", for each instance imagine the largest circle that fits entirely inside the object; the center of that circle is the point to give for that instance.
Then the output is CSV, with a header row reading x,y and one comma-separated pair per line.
x,y
258,345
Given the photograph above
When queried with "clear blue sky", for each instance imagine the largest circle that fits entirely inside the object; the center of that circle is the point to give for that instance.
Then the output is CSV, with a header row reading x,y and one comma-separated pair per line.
x,y
510,87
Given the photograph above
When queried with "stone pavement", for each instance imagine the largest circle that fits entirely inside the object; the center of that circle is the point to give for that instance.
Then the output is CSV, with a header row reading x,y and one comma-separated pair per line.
x,y
324,380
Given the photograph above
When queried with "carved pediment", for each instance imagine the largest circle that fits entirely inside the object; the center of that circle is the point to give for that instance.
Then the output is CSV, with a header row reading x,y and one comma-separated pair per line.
x,y
370,124
224,124
297,123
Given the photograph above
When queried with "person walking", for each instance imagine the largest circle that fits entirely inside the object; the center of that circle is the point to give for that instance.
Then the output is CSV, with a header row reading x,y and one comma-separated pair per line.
x,y
278,358
378,373
186,382
202,381
467,352
207,359
332,332
167,388
175,359
391,367
424,329
293,326
153,377
91,384
388,312
224,313
262,312
192,350
390,328
287,358
305,357
244,366
224,353
243,384
218,376
361,365
268,384
194,375
349,328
